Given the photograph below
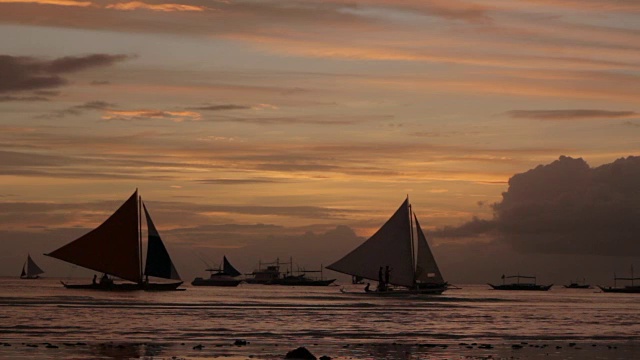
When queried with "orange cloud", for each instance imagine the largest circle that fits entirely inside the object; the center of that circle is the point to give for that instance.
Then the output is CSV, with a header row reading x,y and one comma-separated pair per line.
x,y
135,5
129,115
51,2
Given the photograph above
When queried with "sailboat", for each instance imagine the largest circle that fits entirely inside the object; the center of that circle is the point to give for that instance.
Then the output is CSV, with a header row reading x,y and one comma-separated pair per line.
x,y
225,276
627,289
520,285
30,270
115,249
391,257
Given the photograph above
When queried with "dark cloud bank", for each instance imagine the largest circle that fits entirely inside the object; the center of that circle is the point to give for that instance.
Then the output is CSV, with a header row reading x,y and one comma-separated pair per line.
x,y
566,207
22,73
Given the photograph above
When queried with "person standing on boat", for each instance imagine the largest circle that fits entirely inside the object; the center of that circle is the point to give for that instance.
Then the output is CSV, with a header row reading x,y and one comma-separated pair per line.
x,y
381,285
387,272
95,279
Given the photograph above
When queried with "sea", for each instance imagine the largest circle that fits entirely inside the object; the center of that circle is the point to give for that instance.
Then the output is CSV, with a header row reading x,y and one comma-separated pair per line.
x,y
39,319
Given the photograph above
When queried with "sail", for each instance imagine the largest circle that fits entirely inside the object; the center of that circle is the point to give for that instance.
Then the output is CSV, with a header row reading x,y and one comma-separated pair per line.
x,y
32,268
23,273
389,246
158,261
426,267
228,269
112,248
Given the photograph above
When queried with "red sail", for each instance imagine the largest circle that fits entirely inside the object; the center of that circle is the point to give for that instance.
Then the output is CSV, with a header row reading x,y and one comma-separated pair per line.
x,y
112,248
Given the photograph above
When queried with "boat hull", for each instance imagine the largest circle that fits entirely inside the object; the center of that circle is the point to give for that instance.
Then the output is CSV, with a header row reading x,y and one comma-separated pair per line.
x,y
302,282
625,290
215,282
576,286
522,287
292,282
397,292
29,277
126,286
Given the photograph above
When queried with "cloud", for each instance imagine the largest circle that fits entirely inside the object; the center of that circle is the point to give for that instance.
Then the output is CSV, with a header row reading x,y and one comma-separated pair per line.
x,y
7,98
220,107
306,120
29,74
566,207
239,181
51,2
135,5
79,109
131,115
575,114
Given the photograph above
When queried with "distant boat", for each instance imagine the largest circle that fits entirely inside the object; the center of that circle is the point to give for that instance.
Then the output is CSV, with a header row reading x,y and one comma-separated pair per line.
x,y
272,275
520,285
114,249
389,257
577,285
225,276
30,270
628,289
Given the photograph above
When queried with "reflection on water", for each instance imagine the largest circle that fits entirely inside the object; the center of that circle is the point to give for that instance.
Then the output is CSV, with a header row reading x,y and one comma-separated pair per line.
x,y
272,319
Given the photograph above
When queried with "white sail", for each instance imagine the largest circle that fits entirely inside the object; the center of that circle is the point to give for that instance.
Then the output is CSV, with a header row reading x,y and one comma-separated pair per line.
x,y
32,268
427,270
389,246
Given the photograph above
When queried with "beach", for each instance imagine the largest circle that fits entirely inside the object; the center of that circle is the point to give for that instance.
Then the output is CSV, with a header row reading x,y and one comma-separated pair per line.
x,y
42,320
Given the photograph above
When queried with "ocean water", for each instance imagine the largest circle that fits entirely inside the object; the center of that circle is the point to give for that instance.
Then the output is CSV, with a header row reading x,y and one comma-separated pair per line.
x,y
83,324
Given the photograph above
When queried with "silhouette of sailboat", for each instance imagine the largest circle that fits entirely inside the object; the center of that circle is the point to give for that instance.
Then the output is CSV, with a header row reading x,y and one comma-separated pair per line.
x,y
114,248
627,289
225,276
30,270
393,249
520,285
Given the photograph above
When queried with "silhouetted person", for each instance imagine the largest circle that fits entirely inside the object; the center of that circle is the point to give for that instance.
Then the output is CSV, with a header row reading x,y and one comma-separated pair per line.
x,y
105,280
381,286
95,279
387,272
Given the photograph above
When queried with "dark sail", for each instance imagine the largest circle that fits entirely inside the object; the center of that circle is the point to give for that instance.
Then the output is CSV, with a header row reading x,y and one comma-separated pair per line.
x,y
389,246
32,268
228,269
159,262
111,248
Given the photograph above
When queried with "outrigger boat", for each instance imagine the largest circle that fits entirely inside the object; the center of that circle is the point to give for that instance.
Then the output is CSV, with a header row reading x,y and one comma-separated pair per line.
x,y
519,285
222,276
628,289
115,249
30,270
577,285
396,256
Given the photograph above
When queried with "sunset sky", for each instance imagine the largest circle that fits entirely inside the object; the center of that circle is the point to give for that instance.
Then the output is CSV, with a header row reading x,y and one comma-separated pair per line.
x,y
263,129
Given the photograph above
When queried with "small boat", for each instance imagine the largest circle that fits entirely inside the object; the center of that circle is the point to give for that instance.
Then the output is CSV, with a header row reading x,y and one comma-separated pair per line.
x,y
115,249
266,275
627,289
398,257
272,275
520,285
224,276
301,280
30,270
577,285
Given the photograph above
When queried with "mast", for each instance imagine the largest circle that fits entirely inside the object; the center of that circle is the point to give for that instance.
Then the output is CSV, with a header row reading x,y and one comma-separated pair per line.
x,y
413,250
140,233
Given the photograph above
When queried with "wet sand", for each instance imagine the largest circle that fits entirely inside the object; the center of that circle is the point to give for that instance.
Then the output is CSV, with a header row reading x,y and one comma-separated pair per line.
x,y
584,350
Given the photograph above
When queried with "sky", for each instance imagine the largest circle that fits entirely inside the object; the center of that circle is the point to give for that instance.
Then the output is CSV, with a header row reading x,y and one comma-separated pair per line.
x,y
277,129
